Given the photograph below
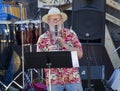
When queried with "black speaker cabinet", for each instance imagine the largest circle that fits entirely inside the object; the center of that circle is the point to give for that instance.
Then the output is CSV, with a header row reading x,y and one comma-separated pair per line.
x,y
97,76
88,20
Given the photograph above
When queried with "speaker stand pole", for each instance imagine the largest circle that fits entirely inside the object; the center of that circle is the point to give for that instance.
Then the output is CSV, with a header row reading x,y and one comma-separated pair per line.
x,y
89,85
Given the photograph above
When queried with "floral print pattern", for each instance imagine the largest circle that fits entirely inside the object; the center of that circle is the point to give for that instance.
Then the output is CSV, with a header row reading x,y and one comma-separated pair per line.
x,y
60,75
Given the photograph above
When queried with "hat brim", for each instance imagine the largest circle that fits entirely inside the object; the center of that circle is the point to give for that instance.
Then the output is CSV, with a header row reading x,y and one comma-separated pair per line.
x,y
45,17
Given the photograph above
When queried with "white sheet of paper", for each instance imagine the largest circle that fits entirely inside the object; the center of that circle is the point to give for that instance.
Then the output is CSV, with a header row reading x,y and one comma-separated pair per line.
x,y
75,61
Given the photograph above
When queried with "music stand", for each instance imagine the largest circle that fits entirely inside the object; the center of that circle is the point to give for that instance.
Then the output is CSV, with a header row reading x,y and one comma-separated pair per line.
x,y
53,59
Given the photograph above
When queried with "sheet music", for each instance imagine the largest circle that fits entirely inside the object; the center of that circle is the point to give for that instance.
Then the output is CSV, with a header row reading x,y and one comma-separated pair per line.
x,y
75,61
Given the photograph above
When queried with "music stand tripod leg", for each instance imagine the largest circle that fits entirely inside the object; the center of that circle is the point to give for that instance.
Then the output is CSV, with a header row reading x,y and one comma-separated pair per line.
x,y
30,73
40,74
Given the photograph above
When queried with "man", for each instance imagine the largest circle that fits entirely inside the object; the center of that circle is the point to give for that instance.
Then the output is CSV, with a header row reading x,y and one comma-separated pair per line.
x,y
63,39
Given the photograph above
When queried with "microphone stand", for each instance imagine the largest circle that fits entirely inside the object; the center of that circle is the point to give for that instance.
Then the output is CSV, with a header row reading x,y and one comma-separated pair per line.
x,y
22,45
22,57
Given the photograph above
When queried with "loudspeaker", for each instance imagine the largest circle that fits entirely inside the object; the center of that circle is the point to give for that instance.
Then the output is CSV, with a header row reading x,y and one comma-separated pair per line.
x,y
97,76
88,20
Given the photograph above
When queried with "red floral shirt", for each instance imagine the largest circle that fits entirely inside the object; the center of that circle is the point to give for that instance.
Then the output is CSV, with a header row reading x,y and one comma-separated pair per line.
x,y
60,75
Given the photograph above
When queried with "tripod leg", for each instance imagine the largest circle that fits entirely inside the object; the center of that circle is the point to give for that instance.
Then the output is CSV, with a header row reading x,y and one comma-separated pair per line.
x,y
29,84
3,84
14,82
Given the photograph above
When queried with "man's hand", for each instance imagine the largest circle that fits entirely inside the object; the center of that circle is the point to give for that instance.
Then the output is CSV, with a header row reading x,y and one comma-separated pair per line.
x,y
61,42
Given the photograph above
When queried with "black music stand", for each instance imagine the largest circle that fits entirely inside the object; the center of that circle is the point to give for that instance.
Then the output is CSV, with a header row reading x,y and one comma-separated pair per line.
x,y
53,59
58,59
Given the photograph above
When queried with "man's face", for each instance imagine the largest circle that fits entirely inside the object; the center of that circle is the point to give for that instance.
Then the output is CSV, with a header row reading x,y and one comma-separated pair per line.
x,y
55,20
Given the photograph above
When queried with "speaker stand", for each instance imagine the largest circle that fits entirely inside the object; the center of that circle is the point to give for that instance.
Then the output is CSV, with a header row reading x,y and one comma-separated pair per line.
x,y
89,85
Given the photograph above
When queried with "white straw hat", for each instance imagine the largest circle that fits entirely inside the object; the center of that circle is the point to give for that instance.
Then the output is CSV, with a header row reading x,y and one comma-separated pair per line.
x,y
54,11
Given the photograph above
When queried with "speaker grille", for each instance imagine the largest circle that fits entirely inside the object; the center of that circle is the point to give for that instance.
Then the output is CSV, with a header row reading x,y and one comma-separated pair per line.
x,y
88,20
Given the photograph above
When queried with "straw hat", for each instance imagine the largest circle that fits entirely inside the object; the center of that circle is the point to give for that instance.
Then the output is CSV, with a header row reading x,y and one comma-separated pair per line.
x,y
54,11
